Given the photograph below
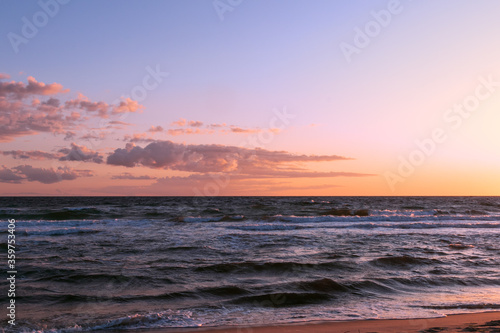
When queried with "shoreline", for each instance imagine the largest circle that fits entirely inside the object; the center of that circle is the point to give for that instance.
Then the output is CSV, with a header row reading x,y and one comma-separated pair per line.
x,y
466,322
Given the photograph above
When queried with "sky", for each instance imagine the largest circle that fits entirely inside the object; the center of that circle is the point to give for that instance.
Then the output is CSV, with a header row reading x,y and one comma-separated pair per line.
x,y
240,97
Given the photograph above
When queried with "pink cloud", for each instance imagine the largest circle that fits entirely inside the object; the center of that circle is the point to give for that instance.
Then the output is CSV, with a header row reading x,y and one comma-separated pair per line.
x,y
155,129
20,90
217,125
184,131
127,105
138,137
23,112
235,129
212,128
103,109
180,122
83,103
117,122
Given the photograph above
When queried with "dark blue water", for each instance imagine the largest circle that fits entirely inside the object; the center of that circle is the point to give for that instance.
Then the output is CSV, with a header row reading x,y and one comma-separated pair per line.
x,y
148,262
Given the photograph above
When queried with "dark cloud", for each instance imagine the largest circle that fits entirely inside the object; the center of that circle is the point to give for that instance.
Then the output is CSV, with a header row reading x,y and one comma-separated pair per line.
x,y
80,153
74,153
45,176
8,176
217,158
32,154
28,173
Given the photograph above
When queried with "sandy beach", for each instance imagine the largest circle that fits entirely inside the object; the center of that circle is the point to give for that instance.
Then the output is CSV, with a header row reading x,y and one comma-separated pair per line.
x,y
473,322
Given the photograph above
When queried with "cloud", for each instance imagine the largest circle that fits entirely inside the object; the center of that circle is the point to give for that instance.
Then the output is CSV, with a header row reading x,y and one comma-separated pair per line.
x,y
69,135
180,122
182,131
8,176
20,90
127,105
127,175
155,129
17,175
23,111
138,137
117,122
9,134
235,129
193,123
94,136
33,154
27,119
83,103
183,122
217,125
80,153
4,76
248,163
212,128
74,153
103,109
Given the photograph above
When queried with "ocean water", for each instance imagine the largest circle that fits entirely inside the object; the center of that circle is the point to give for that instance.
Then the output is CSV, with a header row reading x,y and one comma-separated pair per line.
x,y
99,263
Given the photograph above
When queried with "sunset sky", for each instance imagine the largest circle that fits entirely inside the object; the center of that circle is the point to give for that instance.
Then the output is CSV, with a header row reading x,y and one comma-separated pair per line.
x,y
249,97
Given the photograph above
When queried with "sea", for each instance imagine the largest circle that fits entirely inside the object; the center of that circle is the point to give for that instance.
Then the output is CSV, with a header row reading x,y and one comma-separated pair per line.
x,y
127,263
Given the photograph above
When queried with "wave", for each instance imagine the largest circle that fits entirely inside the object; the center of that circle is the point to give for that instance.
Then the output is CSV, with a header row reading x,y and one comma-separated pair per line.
x,y
75,213
403,262
266,227
321,285
345,212
270,267
285,299
70,276
104,296
224,291
60,232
